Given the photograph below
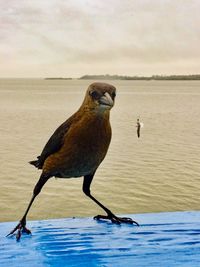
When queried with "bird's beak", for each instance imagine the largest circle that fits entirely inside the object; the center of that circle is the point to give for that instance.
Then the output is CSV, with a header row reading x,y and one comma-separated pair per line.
x,y
106,100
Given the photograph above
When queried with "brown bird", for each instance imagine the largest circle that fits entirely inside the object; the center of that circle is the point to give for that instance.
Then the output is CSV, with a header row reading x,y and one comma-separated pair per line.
x,y
77,148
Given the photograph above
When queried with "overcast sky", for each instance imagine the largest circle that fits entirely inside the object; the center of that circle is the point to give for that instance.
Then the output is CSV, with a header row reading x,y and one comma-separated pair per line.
x,y
70,38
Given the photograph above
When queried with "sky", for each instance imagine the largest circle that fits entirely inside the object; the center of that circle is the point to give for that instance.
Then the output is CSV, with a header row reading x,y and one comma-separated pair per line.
x,y
70,38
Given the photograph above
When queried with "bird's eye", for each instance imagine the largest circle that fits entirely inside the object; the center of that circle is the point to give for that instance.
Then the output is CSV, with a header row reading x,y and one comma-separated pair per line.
x,y
94,94
113,95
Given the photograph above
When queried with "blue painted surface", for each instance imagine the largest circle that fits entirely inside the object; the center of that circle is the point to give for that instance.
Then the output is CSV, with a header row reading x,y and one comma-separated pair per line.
x,y
163,239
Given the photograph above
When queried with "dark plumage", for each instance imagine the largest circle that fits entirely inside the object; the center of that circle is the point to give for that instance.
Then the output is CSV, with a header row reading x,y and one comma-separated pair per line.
x,y
77,148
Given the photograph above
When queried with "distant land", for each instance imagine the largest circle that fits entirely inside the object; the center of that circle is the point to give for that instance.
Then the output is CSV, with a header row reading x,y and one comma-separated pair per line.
x,y
124,77
58,78
153,77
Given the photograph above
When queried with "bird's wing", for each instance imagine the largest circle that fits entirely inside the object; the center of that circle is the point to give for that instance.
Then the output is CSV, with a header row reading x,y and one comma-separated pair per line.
x,y
54,143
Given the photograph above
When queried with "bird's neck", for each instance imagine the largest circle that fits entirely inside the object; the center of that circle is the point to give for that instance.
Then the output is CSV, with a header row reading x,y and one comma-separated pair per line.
x,y
95,113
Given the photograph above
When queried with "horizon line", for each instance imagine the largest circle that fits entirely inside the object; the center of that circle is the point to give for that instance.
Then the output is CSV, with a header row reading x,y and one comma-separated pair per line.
x,y
100,75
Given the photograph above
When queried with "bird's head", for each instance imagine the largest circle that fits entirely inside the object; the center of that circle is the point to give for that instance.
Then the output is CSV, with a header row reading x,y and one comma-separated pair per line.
x,y
100,96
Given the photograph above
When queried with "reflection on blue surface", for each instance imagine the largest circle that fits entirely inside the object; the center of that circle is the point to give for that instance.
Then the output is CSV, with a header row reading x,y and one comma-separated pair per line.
x,y
163,239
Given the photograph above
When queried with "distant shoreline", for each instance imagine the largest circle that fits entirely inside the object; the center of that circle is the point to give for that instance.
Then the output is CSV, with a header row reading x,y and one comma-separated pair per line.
x,y
58,78
136,78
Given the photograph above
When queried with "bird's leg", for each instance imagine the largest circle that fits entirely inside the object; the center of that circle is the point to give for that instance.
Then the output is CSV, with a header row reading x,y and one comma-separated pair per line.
x,y
110,216
21,226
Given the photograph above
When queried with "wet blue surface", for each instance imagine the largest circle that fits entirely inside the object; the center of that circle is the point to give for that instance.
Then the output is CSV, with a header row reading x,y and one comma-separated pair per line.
x,y
163,239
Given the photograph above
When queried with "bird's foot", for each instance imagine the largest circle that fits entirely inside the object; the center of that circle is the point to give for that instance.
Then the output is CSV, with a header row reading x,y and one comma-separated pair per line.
x,y
114,219
19,229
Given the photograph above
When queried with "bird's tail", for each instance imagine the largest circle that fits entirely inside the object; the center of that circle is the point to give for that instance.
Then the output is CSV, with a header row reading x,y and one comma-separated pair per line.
x,y
36,163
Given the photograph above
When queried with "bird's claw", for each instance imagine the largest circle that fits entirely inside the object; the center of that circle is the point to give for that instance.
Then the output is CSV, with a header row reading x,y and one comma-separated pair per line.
x,y
114,219
20,228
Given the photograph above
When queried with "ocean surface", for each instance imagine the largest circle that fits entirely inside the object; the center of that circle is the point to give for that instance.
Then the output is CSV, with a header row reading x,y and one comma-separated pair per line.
x,y
160,171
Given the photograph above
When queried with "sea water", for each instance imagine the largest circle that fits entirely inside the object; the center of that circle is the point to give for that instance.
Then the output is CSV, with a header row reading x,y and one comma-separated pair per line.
x,y
160,171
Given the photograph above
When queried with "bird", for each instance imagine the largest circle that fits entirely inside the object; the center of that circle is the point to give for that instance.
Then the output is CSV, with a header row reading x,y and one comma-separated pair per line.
x,y
139,125
77,148
138,128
